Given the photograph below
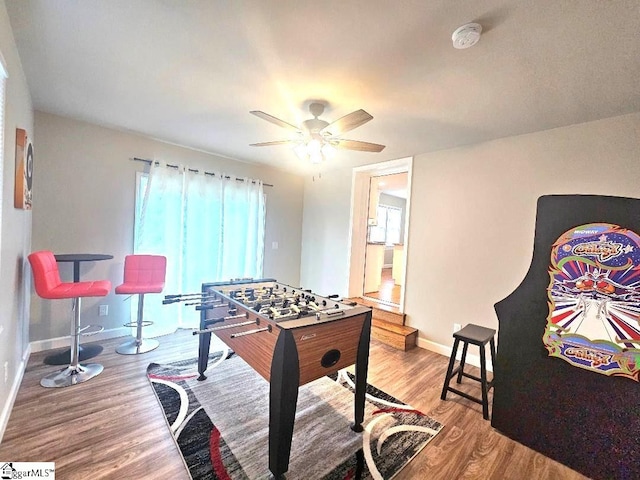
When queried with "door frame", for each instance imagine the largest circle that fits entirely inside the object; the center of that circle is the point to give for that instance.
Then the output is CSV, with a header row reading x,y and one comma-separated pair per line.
x,y
361,179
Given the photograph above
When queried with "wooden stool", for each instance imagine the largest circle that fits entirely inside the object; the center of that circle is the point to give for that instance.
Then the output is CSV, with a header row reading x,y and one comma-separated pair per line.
x,y
480,336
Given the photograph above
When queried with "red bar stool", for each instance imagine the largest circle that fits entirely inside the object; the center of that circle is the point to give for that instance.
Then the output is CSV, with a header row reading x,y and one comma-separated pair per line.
x,y
48,285
142,274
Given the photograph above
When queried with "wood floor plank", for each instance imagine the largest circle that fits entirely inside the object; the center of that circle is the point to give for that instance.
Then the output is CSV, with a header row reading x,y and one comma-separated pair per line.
x,y
112,426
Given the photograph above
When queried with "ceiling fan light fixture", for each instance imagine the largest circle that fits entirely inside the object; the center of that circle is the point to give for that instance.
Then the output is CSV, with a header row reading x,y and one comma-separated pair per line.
x,y
314,146
301,151
316,157
314,150
318,139
328,150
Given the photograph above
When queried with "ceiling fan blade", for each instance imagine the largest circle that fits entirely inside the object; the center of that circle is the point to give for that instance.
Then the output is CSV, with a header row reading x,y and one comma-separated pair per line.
x,y
347,123
269,144
272,119
356,145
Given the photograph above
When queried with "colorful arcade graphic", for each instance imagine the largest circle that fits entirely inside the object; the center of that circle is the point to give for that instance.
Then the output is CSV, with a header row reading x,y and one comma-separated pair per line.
x,y
594,300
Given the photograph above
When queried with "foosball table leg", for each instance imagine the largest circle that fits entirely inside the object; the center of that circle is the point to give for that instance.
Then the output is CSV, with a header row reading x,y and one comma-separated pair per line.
x,y
362,367
283,396
204,343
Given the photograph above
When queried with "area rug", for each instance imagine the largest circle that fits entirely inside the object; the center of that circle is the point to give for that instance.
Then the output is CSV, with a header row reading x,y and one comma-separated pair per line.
x,y
221,424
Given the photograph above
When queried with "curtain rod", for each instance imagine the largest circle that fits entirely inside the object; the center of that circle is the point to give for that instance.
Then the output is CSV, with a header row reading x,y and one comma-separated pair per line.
x,y
194,170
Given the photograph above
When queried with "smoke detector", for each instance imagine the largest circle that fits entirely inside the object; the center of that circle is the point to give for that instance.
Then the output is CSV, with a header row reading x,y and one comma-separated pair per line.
x,y
466,36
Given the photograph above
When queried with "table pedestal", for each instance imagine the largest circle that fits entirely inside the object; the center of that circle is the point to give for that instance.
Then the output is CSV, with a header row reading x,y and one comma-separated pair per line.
x,y
64,357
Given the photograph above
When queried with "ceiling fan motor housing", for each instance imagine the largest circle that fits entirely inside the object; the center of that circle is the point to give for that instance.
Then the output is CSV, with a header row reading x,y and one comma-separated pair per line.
x,y
316,109
314,125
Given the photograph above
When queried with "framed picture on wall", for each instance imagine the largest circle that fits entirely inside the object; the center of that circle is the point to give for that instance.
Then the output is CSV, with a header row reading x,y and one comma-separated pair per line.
x,y
24,170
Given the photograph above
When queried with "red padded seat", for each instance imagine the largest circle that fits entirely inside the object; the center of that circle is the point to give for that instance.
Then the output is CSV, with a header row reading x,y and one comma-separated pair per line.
x,y
142,274
47,283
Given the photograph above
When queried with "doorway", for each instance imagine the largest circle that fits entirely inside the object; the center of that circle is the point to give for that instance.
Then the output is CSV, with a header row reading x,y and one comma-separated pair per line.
x,y
379,227
383,275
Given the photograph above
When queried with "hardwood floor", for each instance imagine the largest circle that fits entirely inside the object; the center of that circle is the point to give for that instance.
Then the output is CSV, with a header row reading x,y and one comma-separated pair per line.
x,y
112,428
389,292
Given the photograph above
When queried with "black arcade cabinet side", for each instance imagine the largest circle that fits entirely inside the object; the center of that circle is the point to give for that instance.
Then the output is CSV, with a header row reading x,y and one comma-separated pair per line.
x,y
568,362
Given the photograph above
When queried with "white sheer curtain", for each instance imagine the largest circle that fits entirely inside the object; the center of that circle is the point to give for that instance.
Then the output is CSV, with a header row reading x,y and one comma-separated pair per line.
x,y
210,228
243,219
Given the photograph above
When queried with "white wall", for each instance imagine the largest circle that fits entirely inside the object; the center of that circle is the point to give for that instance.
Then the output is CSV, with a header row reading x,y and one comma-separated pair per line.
x,y
325,238
83,195
472,217
16,229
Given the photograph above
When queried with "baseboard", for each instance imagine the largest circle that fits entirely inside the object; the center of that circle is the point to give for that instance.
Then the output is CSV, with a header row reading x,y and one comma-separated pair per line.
x,y
13,393
472,358
62,342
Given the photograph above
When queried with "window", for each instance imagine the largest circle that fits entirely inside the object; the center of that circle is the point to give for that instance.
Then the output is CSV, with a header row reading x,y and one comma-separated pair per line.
x,y
389,227
210,228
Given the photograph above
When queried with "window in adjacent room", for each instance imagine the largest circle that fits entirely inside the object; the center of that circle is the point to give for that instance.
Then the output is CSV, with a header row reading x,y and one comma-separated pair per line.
x,y
388,229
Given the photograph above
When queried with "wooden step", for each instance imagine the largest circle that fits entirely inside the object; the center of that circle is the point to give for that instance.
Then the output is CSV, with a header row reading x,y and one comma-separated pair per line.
x,y
389,317
381,311
401,337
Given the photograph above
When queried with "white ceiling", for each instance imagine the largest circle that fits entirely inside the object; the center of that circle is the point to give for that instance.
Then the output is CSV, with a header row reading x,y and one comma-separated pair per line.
x,y
394,184
189,72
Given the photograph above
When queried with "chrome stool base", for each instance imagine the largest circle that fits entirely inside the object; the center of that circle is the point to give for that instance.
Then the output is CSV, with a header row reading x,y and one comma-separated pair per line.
x,y
72,375
134,347
85,352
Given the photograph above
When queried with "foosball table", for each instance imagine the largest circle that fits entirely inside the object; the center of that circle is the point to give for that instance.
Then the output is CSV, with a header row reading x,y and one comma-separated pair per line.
x,y
288,335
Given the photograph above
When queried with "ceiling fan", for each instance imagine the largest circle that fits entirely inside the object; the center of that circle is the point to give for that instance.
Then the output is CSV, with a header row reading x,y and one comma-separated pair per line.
x,y
318,138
